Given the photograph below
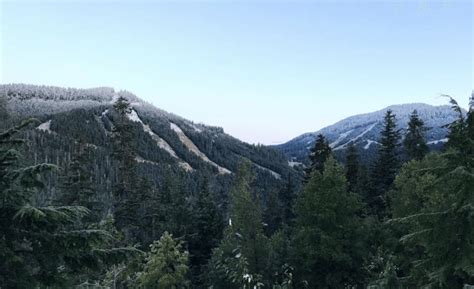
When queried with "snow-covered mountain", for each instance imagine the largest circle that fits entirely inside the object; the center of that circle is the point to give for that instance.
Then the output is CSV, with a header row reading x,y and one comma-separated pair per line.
x,y
364,130
86,115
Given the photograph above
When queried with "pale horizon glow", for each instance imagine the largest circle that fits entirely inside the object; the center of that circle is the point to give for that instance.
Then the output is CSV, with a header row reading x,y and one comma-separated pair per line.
x,y
265,71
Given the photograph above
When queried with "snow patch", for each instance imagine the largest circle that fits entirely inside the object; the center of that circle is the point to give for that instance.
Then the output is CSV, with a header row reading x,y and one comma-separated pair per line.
x,y
194,149
443,140
369,143
341,137
273,173
162,144
196,128
45,126
357,137
294,163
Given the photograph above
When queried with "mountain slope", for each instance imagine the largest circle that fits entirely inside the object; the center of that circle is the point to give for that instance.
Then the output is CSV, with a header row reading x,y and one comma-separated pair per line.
x,y
364,130
165,141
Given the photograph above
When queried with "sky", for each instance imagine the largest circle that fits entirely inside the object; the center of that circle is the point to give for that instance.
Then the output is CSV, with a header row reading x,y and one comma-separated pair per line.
x,y
266,71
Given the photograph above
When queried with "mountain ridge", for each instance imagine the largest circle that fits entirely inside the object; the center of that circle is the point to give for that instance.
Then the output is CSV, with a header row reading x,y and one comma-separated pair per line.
x,y
364,130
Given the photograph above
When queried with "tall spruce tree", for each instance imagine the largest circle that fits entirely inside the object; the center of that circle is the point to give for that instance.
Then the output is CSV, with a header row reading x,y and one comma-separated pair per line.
x,y
352,167
318,155
328,235
206,233
243,250
414,142
386,166
286,199
124,147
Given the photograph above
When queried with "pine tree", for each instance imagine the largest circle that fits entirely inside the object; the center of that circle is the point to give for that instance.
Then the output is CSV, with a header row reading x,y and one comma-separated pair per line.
x,y
328,235
166,265
318,155
386,165
126,206
414,142
352,167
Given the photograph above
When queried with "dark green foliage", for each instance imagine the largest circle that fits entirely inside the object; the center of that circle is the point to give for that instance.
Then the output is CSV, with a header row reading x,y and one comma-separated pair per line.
x,y
286,197
433,205
352,167
77,184
318,155
328,242
40,245
414,142
124,146
386,165
166,265
243,250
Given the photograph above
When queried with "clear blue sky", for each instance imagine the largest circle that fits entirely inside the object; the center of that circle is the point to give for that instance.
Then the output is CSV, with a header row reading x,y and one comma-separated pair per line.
x,y
266,71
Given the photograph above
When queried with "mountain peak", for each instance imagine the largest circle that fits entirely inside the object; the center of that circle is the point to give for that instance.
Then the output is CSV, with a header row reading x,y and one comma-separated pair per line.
x,y
364,129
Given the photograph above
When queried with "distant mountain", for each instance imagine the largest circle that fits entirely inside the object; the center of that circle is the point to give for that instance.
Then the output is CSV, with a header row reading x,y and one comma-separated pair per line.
x,y
364,130
192,150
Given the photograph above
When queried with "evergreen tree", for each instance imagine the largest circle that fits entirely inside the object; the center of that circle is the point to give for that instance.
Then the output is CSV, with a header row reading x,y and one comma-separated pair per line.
x,y
328,235
40,246
352,167
243,250
207,229
318,155
272,214
166,265
124,146
414,142
286,199
386,165
77,184
433,203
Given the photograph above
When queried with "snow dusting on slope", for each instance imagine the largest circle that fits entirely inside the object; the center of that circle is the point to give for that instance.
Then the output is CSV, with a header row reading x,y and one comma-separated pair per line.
x,y
133,116
45,126
443,140
369,143
273,173
194,149
341,137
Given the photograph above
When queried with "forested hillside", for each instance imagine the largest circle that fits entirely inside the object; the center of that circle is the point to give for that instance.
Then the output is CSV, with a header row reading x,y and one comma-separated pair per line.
x,y
99,189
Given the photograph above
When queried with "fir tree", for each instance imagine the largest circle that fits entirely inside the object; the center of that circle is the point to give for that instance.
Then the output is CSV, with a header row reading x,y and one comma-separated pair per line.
x,y
414,142
126,206
286,199
207,229
328,235
318,155
386,165
166,265
272,214
243,250
352,167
